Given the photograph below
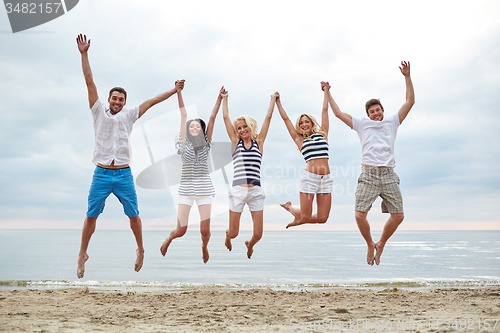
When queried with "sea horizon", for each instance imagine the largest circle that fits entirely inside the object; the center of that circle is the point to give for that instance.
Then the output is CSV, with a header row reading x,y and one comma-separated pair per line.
x,y
283,260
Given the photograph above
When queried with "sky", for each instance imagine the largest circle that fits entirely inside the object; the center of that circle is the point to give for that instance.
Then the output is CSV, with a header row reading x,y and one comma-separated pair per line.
x,y
447,149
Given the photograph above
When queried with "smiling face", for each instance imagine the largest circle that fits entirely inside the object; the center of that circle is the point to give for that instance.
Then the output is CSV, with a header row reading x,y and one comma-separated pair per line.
x,y
375,112
243,130
194,128
306,125
117,101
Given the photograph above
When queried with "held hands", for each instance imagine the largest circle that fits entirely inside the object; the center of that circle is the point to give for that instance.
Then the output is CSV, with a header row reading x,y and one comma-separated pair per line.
x,y
275,96
223,93
405,68
83,44
179,85
325,86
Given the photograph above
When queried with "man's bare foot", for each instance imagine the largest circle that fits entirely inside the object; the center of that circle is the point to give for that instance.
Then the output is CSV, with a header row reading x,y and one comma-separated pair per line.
x,y
165,245
228,242
139,260
370,256
249,249
296,221
82,258
380,248
204,249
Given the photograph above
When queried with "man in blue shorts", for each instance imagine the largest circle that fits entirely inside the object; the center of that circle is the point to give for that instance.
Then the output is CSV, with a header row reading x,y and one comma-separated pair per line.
x,y
112,127
377,135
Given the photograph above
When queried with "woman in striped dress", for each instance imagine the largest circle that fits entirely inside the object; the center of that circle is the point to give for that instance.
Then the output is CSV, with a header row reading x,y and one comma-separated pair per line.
x,y
247,146
312,141
193,144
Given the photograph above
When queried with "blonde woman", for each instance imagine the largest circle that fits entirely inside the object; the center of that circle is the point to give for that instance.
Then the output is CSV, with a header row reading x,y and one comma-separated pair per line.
x,y
312,141
247,147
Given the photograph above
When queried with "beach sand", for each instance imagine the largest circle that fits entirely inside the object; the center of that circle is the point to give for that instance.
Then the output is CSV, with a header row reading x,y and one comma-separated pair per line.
x,y
254,310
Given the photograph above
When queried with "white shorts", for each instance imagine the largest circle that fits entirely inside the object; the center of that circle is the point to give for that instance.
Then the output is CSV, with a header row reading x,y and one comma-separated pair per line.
x,y
252,196
200,201
313,183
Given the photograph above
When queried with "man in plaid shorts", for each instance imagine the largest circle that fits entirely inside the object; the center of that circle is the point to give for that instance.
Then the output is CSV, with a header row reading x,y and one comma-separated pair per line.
x,y
377,135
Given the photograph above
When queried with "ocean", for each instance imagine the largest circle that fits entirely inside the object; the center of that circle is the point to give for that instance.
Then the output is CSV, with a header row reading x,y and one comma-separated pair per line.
x,y
282,260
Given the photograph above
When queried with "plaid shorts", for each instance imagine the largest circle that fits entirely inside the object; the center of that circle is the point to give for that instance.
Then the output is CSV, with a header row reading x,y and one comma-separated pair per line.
x,y
375,182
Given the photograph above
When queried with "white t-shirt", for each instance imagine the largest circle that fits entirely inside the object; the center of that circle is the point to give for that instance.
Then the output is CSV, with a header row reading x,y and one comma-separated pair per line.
x,y
377,140
112,134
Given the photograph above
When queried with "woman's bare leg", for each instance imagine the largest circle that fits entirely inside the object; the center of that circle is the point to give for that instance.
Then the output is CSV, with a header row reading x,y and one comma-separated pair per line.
x,y
234,228
180,230
258,229
205,211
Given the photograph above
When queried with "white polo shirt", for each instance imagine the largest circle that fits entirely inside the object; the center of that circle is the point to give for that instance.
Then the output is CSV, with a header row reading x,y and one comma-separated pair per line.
x,y
112,134
377,140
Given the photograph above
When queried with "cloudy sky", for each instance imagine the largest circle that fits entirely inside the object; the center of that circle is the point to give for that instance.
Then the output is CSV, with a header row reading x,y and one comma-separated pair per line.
x,y
447,150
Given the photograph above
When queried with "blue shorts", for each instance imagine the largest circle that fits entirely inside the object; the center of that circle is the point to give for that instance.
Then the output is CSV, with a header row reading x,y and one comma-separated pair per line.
x,y
120,182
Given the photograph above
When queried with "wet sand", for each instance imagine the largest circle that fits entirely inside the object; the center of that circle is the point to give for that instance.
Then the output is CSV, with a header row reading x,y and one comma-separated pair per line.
x,y
254,310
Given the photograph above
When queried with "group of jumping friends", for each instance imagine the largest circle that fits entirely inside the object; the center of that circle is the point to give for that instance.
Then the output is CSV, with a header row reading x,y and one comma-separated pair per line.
x,y
113,124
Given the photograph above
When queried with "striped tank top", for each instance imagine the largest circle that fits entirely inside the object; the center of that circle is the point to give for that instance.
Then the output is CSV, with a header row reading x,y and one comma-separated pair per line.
x,y
195,177
246,163
314,147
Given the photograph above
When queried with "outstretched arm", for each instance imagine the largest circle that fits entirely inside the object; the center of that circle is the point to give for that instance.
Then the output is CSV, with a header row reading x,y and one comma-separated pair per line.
x,y
325,121
83,47
158,98
410,94
267,121
182,108
288,122
227,121
345,117
215,110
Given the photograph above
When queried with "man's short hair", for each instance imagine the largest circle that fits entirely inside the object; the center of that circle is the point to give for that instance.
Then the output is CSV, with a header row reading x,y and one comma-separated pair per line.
x,y
118,89
372,102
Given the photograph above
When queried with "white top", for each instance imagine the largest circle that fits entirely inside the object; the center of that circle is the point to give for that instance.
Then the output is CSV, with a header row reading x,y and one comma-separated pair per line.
x,y
112,134
377,140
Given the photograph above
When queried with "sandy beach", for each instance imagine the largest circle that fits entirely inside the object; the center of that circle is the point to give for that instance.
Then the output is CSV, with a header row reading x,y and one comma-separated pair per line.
x,y
255,310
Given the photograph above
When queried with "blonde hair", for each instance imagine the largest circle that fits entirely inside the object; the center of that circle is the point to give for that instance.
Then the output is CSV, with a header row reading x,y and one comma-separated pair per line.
x,y
250,121
315,128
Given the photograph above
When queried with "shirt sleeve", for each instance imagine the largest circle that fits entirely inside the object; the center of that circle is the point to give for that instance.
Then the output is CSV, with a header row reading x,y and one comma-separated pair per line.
x,y
355,124
179,144
96,105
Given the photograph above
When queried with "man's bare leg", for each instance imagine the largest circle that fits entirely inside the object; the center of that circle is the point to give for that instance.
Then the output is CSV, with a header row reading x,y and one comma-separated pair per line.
x,y
87,232
136,226
258,229
234,228
389,228
364,228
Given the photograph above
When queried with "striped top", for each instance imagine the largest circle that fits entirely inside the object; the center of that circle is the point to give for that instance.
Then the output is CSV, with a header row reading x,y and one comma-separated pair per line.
x,y
246,163
195,177
314,147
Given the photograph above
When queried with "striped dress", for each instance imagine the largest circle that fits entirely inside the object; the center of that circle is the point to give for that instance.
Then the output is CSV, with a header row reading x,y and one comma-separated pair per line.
x,y
246,163
195,177
314,147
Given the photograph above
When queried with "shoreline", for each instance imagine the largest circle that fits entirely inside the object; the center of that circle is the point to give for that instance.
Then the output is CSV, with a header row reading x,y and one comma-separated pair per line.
x,y
252,310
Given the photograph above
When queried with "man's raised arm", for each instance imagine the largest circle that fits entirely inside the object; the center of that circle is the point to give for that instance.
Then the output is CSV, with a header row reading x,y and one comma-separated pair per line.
x,y
83,47
345,117
410,94
159,98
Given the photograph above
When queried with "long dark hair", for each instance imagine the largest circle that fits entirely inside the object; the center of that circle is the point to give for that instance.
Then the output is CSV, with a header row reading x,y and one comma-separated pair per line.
x,y
198,141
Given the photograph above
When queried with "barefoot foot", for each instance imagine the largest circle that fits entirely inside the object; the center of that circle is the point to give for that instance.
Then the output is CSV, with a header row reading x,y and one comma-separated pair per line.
x,y
139,260
165,245
370,255
228,244
288,206
204,249
296,221
249,249
82,258
380,248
